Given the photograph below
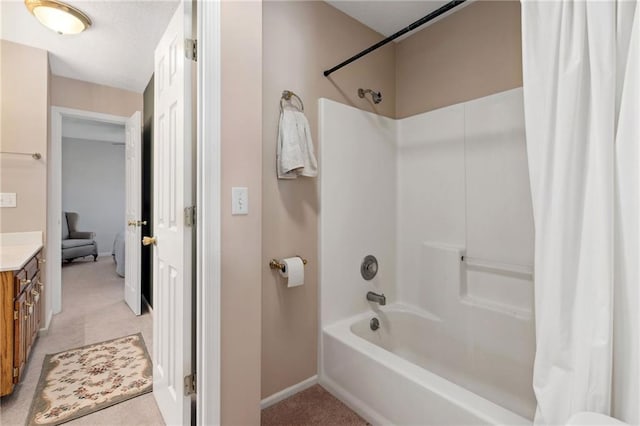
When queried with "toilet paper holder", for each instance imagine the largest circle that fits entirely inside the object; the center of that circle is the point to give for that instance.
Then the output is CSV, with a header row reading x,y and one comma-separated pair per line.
x,y
275,264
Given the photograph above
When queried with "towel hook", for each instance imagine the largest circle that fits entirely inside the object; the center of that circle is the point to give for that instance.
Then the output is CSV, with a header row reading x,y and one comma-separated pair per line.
x,y
287,95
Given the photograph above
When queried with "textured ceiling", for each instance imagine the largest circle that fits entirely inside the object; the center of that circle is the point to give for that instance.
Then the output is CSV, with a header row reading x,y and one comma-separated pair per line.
x,y
116,51
390,16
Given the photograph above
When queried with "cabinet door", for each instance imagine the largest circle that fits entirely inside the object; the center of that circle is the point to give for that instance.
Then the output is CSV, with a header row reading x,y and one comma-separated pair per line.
x,y
36,293
20,340
30,315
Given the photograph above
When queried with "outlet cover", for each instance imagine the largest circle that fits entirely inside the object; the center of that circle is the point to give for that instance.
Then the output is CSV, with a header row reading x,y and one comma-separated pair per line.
x,y
8,199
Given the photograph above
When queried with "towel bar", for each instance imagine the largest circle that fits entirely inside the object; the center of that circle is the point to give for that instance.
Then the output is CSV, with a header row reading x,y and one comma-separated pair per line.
x,y
34,155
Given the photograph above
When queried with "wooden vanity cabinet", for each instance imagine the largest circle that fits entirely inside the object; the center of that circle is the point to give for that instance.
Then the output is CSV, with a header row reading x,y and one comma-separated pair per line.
x,y
20,319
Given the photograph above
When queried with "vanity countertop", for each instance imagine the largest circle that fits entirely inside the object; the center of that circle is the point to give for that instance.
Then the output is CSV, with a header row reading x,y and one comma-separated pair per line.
x,y
17,248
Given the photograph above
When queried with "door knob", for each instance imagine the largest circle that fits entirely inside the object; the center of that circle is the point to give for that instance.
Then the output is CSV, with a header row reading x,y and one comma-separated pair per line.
x,y
148,241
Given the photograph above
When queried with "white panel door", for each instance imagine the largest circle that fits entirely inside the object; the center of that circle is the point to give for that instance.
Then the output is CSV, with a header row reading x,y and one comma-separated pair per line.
x,y
132,290
172,254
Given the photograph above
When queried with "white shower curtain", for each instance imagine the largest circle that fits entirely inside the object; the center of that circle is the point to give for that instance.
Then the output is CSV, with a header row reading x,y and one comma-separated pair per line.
x,y
581,112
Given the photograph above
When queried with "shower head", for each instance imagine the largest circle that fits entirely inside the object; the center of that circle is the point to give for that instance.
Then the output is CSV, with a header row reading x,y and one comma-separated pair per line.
x,y
376,97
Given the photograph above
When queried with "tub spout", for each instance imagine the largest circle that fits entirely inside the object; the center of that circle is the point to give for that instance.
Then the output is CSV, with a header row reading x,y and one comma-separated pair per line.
x,y
378,298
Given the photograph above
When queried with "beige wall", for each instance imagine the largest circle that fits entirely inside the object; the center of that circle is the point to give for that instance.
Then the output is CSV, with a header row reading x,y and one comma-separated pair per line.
x,y
300,40
77,94
24,99
24,127
241,59
472,53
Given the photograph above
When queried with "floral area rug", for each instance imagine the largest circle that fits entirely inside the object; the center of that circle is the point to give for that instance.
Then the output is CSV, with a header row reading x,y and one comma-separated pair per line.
x,y
80,381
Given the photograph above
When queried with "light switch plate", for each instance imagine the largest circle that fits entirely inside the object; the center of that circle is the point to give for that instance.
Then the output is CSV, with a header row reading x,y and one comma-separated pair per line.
x,y
239,200
8,199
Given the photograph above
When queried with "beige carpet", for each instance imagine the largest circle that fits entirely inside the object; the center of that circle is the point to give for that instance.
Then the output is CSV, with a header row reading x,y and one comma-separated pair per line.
x,y
314,406
93,311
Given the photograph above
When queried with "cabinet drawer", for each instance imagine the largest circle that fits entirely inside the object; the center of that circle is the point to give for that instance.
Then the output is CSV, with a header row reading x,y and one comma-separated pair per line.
x,y
21,281
36,288
27,275
32,267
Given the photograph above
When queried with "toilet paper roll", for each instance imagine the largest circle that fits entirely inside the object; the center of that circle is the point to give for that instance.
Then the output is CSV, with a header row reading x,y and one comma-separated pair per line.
x,y
293,271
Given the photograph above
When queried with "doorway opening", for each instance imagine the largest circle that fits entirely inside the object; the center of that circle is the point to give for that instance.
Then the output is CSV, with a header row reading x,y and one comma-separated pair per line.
x,y
95,192
95,195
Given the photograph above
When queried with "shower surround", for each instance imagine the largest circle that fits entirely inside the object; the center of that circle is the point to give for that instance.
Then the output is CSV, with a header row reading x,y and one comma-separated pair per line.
x,y
442,200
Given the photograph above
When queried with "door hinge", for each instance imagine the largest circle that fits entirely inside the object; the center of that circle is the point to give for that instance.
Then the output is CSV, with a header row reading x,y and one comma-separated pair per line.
x,y
15,315
190,384
190,216
16,372
191,49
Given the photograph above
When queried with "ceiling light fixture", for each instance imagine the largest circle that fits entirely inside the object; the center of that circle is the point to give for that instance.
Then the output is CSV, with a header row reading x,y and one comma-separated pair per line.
x,y
58,16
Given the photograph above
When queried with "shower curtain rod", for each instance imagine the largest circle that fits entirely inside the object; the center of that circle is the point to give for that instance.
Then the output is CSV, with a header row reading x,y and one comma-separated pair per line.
x,y
444,9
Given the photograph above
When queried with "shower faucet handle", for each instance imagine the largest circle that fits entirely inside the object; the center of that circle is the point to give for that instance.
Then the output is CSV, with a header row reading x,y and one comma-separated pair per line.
x,y
369,267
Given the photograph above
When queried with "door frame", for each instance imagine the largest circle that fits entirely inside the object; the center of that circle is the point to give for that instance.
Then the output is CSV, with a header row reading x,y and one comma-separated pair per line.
x,y
54,200
208,268
208,205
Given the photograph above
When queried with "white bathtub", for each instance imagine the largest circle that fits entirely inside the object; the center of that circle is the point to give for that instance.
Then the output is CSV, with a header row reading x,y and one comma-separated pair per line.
x,y
411,372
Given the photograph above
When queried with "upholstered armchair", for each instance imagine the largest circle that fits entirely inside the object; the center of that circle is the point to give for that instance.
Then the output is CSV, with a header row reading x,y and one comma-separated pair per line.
x,y
76,243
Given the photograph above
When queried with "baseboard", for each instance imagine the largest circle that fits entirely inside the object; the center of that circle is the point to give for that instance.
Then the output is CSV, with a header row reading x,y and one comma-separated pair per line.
x,y
45,330
290,391
354,403
107,253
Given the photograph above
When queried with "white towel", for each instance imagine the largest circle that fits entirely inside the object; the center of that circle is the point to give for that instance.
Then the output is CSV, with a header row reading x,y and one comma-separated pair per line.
x,y
294,156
